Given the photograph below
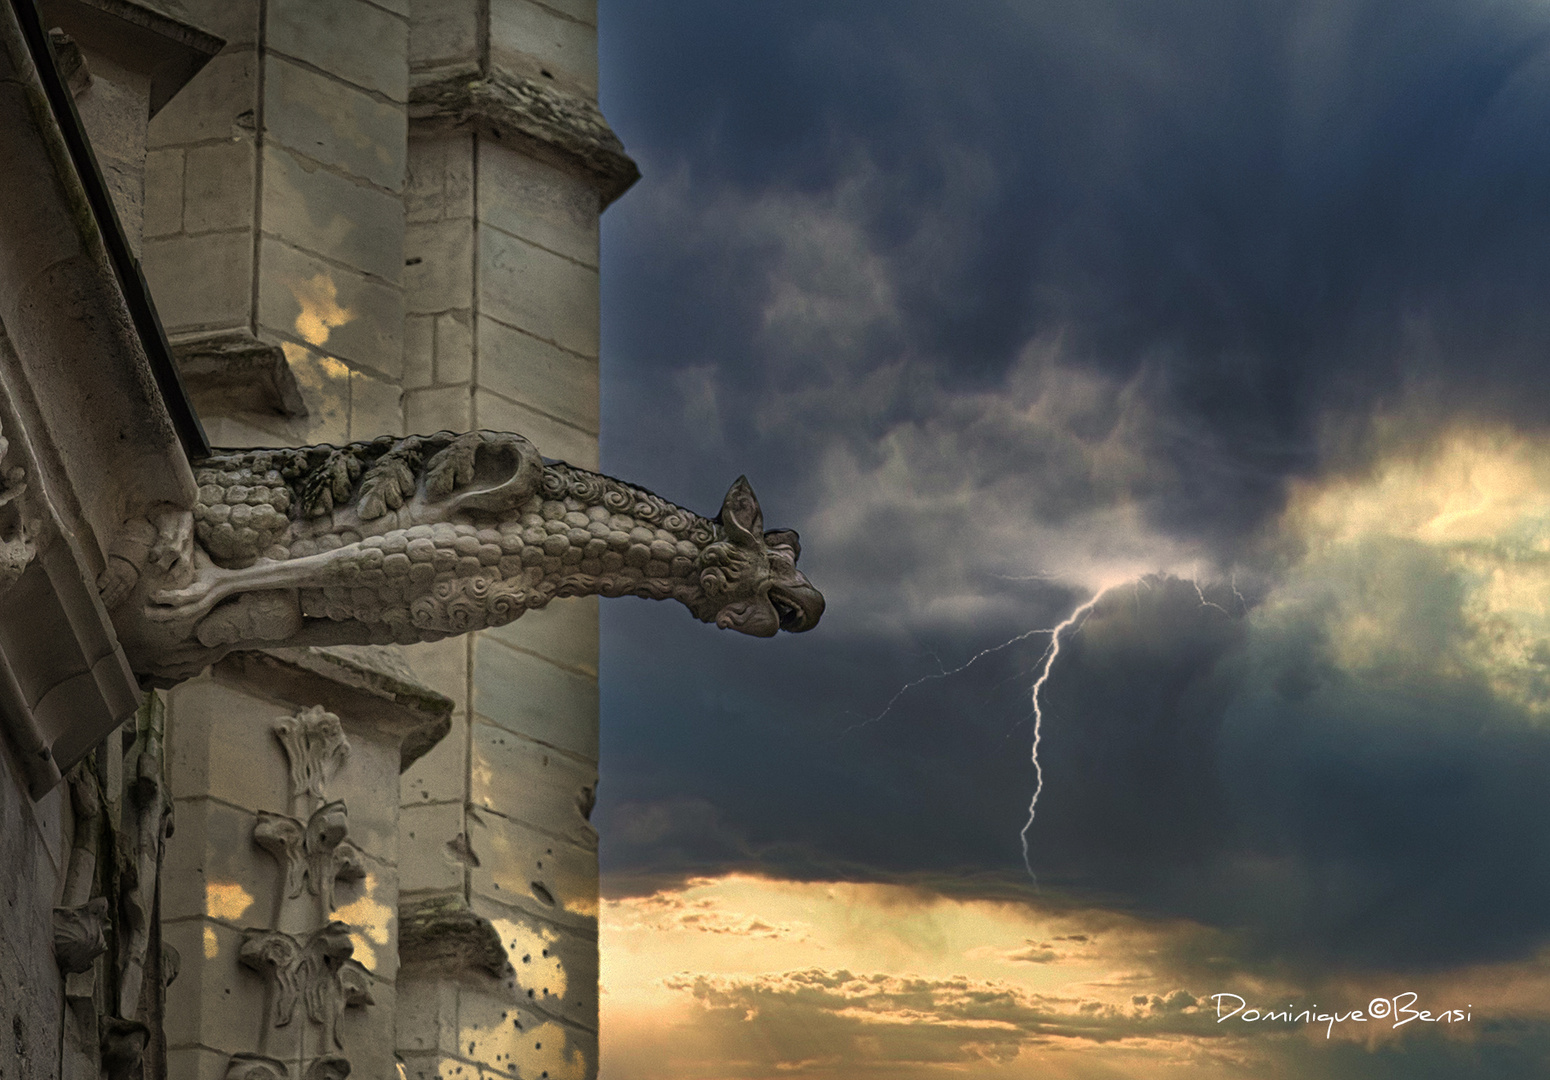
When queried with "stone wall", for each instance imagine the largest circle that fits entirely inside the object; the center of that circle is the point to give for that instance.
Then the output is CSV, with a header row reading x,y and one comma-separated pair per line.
x,y
341,247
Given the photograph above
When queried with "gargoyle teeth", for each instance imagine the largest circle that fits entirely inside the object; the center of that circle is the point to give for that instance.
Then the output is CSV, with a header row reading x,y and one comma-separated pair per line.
x,y
790,613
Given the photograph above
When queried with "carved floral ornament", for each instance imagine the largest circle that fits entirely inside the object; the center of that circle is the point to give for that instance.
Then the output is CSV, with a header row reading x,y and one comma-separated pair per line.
x,y
317,967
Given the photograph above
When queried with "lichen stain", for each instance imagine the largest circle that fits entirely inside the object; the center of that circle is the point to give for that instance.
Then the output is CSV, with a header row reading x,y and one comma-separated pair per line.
x,y
320,312
226,900
370,923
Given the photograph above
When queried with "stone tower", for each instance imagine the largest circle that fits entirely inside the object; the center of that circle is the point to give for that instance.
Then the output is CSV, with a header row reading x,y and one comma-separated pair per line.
x,y
368,217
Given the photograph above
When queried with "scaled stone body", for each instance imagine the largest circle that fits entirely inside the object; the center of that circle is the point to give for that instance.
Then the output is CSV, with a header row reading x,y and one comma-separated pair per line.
x,y
414,539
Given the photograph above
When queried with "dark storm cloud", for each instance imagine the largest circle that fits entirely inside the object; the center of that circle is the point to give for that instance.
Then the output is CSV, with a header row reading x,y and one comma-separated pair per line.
x,y
979,291
1266,210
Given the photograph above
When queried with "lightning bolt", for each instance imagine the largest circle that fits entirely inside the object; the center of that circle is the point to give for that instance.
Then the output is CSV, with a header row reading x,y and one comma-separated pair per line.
x,y
1050,655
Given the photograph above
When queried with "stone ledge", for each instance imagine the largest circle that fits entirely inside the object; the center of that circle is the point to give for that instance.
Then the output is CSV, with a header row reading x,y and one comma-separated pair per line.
x,y
561,126
237,371
367,683
444,932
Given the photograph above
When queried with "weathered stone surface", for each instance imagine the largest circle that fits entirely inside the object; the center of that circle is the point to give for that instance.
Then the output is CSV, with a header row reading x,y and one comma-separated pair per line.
x,y
338,311
534,40
565,632
537,202
532,784
334,123
543,119
545,294
445,933
523,869
440,774
218,186
443,33
521,1038
441,176
235,371
439,265
535,373
163,192
375,407
202,282
555,965
318,210
356,41
220,103
431,856
440,408
529,696
214,1002
561,440
454,348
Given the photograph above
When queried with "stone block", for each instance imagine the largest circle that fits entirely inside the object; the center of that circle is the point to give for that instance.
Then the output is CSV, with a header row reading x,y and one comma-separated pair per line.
x,y
221,743
163,192
367,1034
346,314
533,784
535,290
553,438
201,282
510,1040
419,351
336,124
318,210
564,632
231,433
532,697
427,1015
376,407
537,202
213,869
220,102
442,408
367,783
219,183
454,348
535,373
533,40
325,387
370,908
214,1002
438,265
441,176
441,775
428,859
555,966
356,41
443,32
196,1063
442,666
522,868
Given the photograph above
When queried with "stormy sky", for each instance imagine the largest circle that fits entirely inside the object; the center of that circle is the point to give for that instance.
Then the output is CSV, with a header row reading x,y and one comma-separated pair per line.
x,y
1231,314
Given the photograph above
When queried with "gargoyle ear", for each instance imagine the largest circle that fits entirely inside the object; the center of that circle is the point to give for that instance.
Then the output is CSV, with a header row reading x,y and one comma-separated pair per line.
x,y
786,538
740,513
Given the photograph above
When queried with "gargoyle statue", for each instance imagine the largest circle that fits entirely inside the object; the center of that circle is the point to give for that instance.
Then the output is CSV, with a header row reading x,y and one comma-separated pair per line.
x,y
400,540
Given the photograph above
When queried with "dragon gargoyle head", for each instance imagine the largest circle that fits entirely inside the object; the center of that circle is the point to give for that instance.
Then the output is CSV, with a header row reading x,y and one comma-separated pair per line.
x,y
749,582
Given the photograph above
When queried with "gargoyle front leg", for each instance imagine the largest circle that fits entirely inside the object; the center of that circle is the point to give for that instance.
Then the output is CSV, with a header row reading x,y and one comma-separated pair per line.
x,y
214,584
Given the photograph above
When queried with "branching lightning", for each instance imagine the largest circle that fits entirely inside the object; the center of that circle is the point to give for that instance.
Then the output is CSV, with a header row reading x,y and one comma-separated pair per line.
x,y
1057,634
1050,654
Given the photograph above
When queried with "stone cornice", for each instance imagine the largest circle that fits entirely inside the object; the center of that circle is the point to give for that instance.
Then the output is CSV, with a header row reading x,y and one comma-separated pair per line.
x,y
561,125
